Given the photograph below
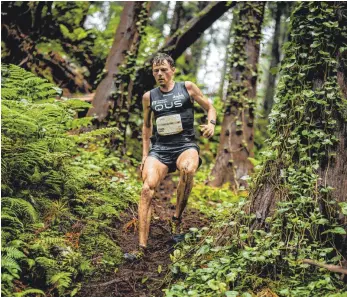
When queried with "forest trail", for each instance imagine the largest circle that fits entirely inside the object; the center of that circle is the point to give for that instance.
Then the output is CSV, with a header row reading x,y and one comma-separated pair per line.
x,y
145,277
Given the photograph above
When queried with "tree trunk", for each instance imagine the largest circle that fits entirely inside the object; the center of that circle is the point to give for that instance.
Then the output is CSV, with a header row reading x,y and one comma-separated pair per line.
x,y
308,158
183,13
275,59
24,24
226,59
237,140
176,18
175,46
333,172
25,54
120,63
179,42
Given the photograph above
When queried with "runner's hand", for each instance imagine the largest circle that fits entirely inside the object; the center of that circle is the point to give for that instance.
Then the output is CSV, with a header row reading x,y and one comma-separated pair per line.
x,y
143,162
207,130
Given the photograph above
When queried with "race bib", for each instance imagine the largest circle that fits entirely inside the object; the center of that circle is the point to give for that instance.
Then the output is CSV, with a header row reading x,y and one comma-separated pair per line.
x,y
168,125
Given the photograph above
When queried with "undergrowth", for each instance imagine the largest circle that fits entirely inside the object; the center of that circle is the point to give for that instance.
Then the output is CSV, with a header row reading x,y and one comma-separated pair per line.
x,y
61,191
232,258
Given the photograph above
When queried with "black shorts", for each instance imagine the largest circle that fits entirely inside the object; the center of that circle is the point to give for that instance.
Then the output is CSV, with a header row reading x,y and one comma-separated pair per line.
x,y
169,153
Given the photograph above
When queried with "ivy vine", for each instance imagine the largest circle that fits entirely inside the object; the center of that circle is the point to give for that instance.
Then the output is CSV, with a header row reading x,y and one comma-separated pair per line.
x,y
233,259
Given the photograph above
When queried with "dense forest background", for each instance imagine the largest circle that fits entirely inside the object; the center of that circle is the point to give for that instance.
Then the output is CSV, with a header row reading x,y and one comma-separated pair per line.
x,y
268,212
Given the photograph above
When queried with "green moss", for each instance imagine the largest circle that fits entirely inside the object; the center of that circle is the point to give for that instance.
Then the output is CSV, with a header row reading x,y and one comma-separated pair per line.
x,y
100,249
235,259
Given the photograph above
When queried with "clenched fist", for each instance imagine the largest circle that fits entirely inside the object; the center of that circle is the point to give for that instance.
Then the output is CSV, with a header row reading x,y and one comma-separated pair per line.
x,y
207,130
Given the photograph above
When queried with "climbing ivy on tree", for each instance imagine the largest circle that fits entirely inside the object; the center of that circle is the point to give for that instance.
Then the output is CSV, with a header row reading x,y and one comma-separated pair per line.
x,y
294,215
237,135
124,80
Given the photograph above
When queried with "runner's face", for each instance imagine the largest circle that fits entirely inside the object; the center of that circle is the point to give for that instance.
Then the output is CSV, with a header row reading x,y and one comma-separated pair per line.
x,y
163,73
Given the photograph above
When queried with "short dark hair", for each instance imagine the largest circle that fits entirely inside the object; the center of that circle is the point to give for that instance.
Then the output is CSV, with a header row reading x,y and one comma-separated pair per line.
x,y
161,57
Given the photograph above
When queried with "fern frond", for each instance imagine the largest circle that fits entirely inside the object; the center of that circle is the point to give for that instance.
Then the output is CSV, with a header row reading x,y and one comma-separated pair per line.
x,y
9,263
50,241
18,84
5,236
45,262
61,281
75,104
13,252
21,209
8,218
85,266
29,291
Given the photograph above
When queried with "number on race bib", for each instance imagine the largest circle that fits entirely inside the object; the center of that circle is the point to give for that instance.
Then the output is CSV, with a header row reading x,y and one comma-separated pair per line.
x,y
168,125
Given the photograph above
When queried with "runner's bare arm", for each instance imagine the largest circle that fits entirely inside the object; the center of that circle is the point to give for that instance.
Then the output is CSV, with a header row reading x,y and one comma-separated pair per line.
x,y
147,126
196,94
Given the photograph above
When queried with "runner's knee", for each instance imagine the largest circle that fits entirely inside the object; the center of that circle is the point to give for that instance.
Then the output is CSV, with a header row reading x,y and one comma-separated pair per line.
x,y
188,168
187,172
148,187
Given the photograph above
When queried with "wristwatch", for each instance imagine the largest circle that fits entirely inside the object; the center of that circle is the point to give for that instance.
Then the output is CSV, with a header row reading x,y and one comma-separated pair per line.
x,y
213,122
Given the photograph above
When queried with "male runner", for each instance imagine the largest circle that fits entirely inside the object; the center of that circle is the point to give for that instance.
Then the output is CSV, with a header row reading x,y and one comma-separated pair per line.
x,y
173,144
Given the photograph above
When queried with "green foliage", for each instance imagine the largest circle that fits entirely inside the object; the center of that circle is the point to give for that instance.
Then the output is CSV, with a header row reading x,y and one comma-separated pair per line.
x,y
86,48
209,146
76,35
61,280
54,181
150,43
104,252
11,256
212,202
235,259
121,115
20,85
71,14
104,38
29,292
19,209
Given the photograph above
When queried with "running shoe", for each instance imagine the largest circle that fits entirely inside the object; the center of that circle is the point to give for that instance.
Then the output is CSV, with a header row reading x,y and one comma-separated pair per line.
x,y
135,255
176,229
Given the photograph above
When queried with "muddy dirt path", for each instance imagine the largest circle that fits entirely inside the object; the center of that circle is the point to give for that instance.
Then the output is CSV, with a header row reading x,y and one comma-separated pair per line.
x,y
146,277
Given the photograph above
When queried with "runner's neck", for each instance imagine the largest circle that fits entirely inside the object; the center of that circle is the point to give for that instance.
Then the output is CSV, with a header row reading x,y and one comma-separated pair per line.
x,y
168,88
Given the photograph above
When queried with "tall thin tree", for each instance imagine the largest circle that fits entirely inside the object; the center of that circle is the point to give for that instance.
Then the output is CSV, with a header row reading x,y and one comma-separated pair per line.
x,y
279,11
237,140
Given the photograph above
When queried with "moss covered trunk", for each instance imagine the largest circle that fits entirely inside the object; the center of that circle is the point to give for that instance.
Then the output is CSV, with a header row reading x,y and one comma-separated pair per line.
x,y
237,135
333,170
112,92
307,163
275,59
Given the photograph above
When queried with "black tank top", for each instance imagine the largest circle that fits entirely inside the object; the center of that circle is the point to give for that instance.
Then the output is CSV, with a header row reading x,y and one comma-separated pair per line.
x,y
168,107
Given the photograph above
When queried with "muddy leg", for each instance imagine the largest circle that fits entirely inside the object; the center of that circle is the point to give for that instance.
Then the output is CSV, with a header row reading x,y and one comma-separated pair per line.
x,y
149,215
187,163
144,212
153,173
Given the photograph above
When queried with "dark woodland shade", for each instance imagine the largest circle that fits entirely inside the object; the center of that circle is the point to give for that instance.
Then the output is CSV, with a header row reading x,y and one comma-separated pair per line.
x,y
161,57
